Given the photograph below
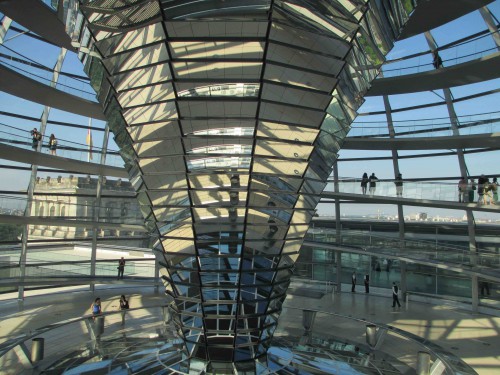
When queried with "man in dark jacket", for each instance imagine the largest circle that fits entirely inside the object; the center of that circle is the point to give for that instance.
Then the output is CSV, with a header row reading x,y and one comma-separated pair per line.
x,y
395,297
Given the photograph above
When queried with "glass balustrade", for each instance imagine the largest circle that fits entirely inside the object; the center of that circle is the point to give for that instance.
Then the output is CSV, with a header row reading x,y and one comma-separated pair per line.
x,y
486,123
134,268
424,190
20,138
349,340
146,340
55,269
470,50
74,86
422,251
51,4
59,208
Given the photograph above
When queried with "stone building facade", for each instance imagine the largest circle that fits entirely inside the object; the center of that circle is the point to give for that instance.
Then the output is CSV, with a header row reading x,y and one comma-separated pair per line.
x,y
74,198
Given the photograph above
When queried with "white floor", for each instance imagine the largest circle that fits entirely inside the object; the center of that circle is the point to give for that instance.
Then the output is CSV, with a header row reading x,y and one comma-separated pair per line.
x,y
473,337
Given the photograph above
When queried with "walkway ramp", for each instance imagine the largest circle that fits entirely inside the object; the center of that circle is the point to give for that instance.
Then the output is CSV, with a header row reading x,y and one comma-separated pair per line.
x,y
482,69
19,85
486,140
75,280
489,273
430,14
38,158
378,199
39,18
68,222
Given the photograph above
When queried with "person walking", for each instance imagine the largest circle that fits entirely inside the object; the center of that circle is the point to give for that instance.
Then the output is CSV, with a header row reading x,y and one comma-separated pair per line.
x,y
462,190
121,268
395,296
373,183
367,283
364,183
52,144
96,307
123,306
353,282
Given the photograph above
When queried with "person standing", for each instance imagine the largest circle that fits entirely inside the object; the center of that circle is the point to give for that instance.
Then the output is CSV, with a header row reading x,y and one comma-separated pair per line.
x,y
353,282
364,183
494,190
481,183
373,183
367,283
462,190
399,185
471,188
378,269
485,287
121,268
96,308
123,306
52,144
36,137
437,62
488,195
395,296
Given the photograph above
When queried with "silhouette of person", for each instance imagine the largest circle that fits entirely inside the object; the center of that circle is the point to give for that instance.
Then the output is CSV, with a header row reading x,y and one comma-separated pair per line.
x,y
373,183
395,297
437,62
121,268
398,181
364,183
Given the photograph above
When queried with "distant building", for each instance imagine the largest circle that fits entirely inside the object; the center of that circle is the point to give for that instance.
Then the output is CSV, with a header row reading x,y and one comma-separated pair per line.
x,y
73,198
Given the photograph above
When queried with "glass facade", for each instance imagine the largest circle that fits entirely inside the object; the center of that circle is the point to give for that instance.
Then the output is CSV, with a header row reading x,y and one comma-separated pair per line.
x,y
237,125
232,115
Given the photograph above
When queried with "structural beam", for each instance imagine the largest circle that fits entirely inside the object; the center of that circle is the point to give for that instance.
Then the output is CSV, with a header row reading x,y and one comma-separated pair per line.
x,y
431,14
409,202
482,69
18,85
39,18
32,220
424,143
65,164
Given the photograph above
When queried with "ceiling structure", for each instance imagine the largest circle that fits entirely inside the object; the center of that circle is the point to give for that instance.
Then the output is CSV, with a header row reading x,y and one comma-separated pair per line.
x,y
230,116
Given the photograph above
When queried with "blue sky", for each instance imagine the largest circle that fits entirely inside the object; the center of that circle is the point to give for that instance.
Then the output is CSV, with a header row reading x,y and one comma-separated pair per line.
x,y
428,167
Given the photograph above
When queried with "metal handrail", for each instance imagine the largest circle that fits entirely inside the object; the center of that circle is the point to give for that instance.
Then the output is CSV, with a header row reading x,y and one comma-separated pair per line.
x,y
449,360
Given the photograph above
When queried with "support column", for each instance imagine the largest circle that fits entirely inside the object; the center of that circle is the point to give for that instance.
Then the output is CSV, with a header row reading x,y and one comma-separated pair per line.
x,y
97,207
463,172
338,228
338,259
4,27
491,24
404,287
308,317
156,276
371,335
395,164
32,182
37,349
423,363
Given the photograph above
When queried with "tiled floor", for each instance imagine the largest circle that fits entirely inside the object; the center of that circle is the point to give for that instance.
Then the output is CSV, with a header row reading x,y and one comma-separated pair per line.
x,y
473,337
